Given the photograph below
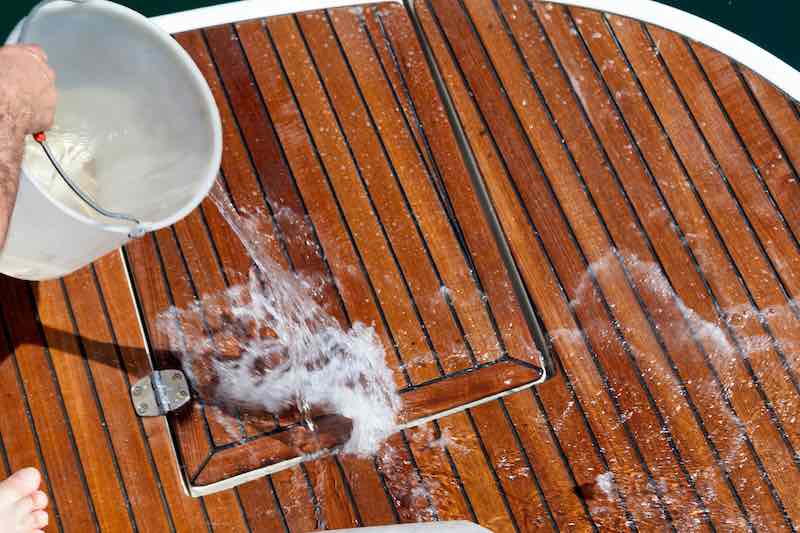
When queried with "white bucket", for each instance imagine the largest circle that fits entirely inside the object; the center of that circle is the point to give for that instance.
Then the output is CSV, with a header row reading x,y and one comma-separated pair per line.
x,y
135,106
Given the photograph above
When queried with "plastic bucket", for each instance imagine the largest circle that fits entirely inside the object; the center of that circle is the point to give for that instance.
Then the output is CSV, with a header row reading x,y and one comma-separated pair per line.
x,y
136,109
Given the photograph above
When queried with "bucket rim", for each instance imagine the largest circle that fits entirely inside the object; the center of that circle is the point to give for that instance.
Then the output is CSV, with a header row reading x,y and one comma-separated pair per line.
x,y
211,169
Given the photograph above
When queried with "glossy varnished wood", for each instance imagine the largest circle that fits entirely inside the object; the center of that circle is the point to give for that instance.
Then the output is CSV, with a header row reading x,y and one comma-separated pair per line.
x,y
310,138
565,83
647,188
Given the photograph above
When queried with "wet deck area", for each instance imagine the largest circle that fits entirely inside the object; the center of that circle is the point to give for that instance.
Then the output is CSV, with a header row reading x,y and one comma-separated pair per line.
x,y
642,210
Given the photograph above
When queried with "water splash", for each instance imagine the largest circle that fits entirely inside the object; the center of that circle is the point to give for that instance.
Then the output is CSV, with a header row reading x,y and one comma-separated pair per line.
x,y
268,345
726,342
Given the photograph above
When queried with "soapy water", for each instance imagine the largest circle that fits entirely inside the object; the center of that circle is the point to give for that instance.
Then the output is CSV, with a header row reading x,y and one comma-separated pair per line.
x,y
76,155
267,345
726,346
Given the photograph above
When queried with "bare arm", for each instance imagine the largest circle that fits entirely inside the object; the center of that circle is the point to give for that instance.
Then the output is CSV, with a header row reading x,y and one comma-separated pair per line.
x,y
27,105
11,148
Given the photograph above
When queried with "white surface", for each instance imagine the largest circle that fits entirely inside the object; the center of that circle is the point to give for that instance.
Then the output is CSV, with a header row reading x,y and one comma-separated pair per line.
x,y
433,527
205,490
245,10
754,57
144,118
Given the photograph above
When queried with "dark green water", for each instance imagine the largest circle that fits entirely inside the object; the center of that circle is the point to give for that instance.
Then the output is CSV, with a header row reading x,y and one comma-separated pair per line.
x,y
772,24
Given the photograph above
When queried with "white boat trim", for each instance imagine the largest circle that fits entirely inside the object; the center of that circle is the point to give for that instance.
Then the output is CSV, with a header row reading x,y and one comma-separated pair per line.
x,y
226,484
781,74
231,12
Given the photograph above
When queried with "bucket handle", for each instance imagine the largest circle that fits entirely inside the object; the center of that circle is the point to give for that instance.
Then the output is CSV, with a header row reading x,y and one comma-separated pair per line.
x,y
138,230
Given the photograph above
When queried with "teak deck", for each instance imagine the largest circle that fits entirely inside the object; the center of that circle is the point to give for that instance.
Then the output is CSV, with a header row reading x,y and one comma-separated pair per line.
x,y
646,191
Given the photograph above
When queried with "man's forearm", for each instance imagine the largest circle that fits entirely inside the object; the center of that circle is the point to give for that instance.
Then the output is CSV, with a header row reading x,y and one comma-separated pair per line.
x,y
12,145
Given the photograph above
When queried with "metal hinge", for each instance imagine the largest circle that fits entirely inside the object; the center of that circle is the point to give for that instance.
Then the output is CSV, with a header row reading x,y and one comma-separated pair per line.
x,y
160,393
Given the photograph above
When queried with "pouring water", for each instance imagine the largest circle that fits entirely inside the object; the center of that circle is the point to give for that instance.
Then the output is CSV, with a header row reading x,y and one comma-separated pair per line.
x,y
282,350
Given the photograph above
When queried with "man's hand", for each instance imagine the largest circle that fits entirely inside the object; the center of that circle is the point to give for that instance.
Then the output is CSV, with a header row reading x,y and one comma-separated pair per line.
x,y
27,105
27,88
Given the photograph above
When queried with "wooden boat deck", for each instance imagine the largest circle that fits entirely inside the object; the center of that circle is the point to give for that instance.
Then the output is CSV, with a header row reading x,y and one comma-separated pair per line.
x,y
646,190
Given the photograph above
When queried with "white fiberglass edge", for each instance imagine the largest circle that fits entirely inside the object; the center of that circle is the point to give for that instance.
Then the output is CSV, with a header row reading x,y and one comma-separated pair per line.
x,y
245,10
745,52
225,484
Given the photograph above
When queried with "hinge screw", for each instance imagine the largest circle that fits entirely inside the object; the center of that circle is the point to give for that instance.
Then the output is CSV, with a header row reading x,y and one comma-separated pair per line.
x,y
137,391
142,407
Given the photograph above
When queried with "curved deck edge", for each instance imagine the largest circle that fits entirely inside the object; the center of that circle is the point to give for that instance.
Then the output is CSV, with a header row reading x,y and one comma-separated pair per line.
x,y
231,12
749,54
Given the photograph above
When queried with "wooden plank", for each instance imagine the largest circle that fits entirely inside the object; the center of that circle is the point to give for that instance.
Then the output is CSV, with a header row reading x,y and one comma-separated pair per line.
x,y
782,120
477,476
645,213
346,24
200,256
407,155
745,185
747,116
263,512
556,481
299,242
394,38
187,513
154,297
556,237
295,498
346,181
332,492
46,406
109,377
225,512
399,50
532,112
369,496
769,265
191,429
545,290
428,447
409,492
241,182
380,176
20,440
353,286
89,428
343,94
332,431
188,254
511,467
711,403
460,389
709,249
774,171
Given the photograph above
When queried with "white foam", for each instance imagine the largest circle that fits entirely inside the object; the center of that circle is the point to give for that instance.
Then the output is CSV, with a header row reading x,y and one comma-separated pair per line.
x,y
605,482
290,352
